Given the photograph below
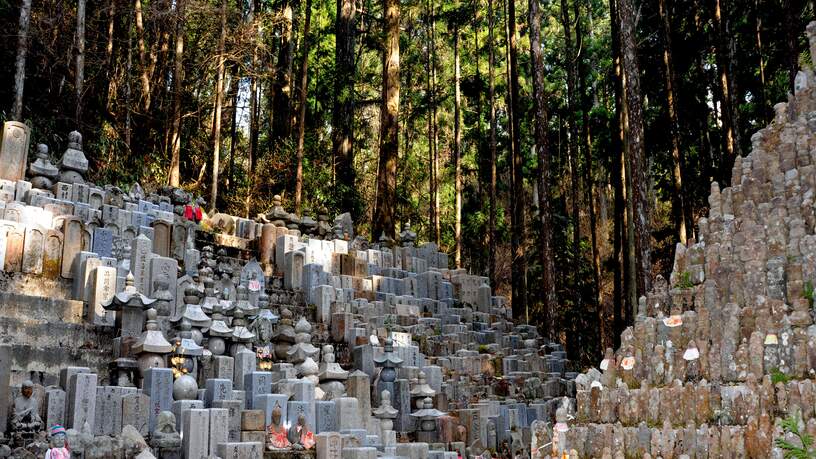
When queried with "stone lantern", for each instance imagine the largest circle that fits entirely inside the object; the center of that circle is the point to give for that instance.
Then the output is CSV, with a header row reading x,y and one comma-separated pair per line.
x,y
243,302
193,314
241,336
427,421
73,164
42,171
151,348
218,332
186,352
130,306
421,390
331,375
388,361
307,224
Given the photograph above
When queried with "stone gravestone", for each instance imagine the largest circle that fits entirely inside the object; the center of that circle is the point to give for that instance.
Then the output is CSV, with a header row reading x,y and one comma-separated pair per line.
x,y
82,400
219,427
161,238
325,417
15,237
52,254
71,245
234,415
136,412
140,253
104,288
108,415
329,445
54,408
196,430
13,150
3,231
5,377
163,268
256,383
158,385
103,242
33,250
217,389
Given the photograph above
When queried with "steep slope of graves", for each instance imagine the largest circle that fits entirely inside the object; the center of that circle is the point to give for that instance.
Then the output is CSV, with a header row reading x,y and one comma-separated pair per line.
x,y
136,319
725,349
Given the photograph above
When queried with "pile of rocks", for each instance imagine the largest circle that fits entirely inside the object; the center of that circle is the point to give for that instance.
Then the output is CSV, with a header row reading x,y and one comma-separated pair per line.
x,y
726,349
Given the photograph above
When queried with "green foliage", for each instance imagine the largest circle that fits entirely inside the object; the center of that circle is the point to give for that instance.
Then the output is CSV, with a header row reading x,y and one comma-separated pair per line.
x,y
800,449
684,281
809,292
778,376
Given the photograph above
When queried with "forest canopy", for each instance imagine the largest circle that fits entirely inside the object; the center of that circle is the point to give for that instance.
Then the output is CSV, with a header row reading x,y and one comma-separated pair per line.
x,y
561,148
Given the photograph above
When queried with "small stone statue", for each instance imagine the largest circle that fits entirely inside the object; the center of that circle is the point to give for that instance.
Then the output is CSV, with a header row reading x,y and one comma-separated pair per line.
x,y
276,435
26,418
165,437
407,237
300,436
42,171
57,447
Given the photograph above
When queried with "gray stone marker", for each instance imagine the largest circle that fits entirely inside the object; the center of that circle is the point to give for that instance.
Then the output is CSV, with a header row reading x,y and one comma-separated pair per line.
x,y
13,150
217,389
71,245
136,412
325,416
241,450
219,427
197,428
33,250
104,288
180,406
140,253
234,409
103,242
54,408
268,402
158,385
108,414
256,383
82,400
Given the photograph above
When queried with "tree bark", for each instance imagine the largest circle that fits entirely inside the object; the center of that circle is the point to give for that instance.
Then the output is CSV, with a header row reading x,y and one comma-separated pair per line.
x,y
517,239
457,147
80,60
281,118
219,97
543,156
792,31
430,97
616,160
678,201
571,62
19,63
178,75
722,50
145,67
491,94
437,213
343,113
638,178
384,222
304,87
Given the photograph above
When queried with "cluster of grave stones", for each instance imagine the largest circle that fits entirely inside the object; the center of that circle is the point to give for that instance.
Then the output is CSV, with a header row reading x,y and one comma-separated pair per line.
x,y
280,335
726,349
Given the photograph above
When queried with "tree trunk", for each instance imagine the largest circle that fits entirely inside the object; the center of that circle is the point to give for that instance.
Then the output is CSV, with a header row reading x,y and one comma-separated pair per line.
x,y
430,96
343,113
792,31
304,87
80,60
616,160
145,67
219,97
281,118
722,50
178,75
517,240
457,147
571,62
491,94
678,201
384,222
588,95
234,90
19,63
543,156
638,178
437,213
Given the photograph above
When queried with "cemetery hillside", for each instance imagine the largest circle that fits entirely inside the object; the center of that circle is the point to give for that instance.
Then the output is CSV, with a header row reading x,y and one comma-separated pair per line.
x,y
437,229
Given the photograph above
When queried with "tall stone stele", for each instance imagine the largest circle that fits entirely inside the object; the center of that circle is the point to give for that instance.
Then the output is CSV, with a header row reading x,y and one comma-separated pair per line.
x,y
73,165
13,150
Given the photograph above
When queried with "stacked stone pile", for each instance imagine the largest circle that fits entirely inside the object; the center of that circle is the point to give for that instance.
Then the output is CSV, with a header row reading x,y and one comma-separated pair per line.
x,y
725,349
